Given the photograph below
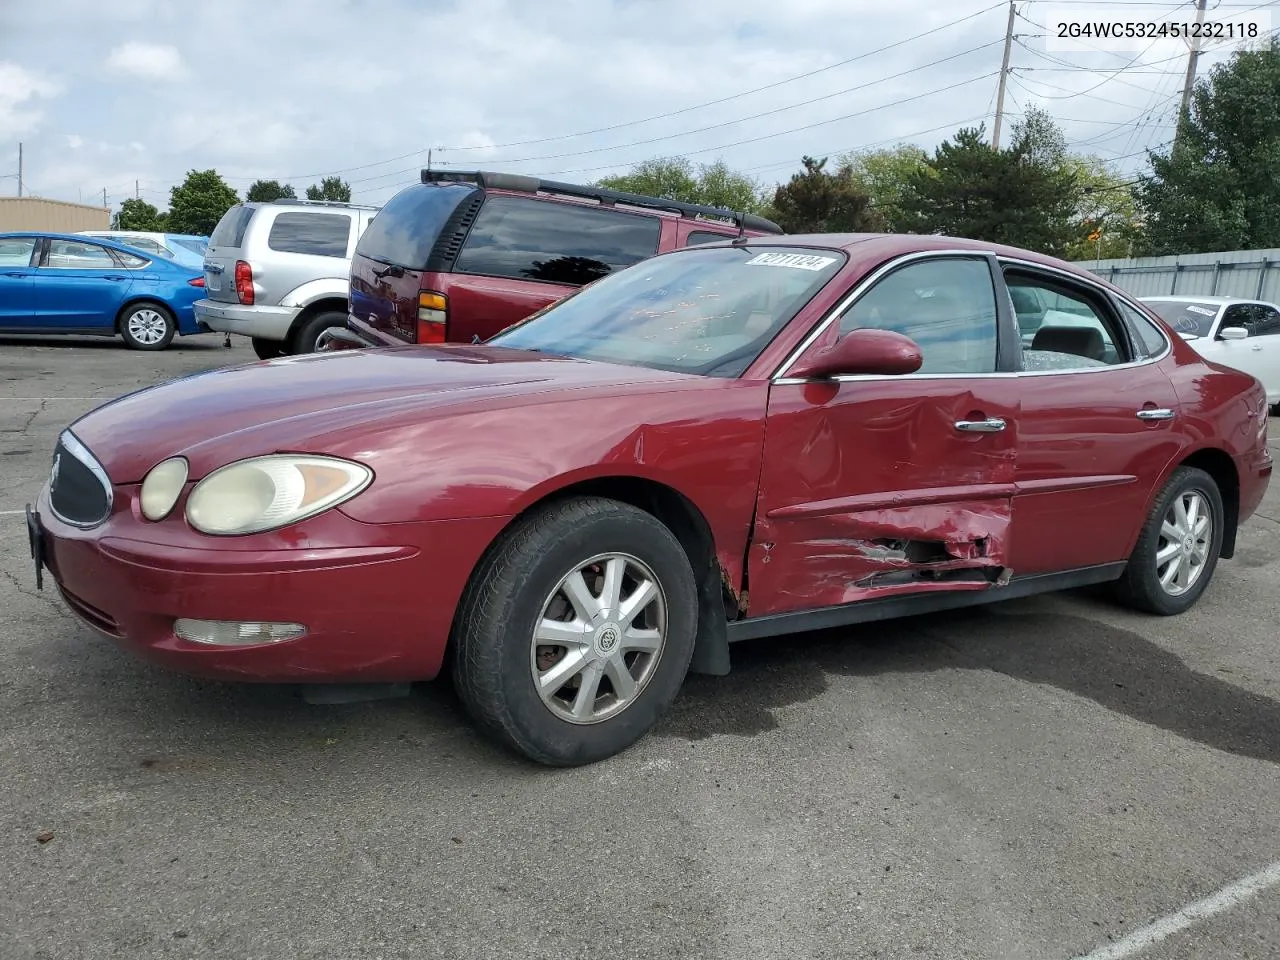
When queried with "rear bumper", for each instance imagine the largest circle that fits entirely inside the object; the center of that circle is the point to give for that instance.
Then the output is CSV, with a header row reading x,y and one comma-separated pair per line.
x,y
372,337
261,321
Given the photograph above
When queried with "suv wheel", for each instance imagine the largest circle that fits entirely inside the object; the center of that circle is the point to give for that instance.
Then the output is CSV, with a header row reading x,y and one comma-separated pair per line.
x,y
147,326
576,632
267,349
304,341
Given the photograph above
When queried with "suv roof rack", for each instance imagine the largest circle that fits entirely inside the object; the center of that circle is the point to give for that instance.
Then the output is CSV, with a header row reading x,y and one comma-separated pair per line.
x,y
606,197
294,201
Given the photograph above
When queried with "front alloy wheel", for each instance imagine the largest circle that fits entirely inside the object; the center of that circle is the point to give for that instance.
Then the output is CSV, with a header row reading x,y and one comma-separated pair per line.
x,y
576,631
599,638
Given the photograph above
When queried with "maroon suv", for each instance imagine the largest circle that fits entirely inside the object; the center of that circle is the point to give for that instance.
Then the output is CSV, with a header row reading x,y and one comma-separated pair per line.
x,y
461,256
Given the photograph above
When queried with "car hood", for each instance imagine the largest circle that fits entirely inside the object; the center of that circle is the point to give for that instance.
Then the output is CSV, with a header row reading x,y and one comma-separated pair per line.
x,y
291,403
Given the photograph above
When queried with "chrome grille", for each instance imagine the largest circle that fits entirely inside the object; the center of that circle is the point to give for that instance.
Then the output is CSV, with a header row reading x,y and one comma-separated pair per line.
x,y
79,489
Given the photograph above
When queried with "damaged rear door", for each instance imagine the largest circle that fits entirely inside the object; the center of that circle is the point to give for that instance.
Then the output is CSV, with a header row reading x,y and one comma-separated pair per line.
x,y
876,485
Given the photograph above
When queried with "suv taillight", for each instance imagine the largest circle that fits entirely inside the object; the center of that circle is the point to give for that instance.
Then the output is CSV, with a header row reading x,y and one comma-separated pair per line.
x,y
244,283
433,317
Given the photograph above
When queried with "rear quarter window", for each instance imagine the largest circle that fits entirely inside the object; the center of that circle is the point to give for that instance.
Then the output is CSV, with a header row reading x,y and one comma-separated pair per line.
x,y
1149,341
706,236
314,234
405,230
562,243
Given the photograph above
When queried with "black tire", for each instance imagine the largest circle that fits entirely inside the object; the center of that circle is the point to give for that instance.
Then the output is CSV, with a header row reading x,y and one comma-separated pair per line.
x,y
304,339
1140,587
493,632
145,315
267,349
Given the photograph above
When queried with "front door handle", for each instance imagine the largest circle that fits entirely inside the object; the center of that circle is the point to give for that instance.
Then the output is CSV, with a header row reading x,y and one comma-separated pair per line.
x,y
114,277
992,425
1162,414
1256,347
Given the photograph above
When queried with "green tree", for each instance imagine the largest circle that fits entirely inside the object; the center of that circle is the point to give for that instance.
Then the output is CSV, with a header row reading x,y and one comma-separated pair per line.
x,y
264,191
139,215
198,203
1019,195
676,178
883,175
1218,188
1107,212
330,188
815,201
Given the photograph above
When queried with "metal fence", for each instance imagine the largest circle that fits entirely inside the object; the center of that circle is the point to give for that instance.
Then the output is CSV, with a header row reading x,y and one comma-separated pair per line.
x,y
1237,273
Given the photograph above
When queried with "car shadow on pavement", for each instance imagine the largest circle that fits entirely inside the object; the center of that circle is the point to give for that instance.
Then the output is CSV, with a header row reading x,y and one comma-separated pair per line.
x,y
1116,668
195,342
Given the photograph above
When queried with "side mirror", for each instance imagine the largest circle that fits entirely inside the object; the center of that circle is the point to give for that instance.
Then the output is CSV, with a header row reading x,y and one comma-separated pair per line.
x,y
869,352
1233,333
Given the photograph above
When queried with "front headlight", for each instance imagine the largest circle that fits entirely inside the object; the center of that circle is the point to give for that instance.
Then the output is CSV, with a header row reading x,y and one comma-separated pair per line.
x,y
162,487
264,493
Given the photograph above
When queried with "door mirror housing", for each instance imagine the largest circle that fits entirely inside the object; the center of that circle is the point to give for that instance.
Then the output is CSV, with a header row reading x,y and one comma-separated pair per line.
x,y
1233,333
866,352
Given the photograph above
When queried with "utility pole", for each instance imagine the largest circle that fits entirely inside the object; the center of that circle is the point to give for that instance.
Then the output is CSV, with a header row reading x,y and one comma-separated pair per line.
x,y
137,191
19,168
1192,58
1004,74
104,196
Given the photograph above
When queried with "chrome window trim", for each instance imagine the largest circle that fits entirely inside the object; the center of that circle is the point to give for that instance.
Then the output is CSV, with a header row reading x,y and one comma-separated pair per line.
x,y
867,282
73,446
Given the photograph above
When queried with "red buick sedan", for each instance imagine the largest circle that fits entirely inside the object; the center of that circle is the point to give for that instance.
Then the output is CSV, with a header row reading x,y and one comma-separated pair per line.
x,y
730,441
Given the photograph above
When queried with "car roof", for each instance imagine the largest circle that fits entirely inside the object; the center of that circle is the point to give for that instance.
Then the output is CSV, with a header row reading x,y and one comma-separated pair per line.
x,y
1188,298
81,238
869,247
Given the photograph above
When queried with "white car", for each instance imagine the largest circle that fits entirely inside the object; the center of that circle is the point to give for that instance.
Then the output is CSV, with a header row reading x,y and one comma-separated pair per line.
x,y
1233,331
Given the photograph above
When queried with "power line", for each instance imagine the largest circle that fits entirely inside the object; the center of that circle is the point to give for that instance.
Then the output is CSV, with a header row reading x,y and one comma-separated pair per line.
x,y
745,93
755,116
723,146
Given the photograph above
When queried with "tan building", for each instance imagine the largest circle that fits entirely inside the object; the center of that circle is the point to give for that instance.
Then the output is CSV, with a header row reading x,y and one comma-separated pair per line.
x,y
54,216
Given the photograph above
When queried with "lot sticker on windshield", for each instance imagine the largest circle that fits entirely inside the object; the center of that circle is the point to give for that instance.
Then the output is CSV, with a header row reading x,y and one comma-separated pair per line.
x,y
798,261
1192,308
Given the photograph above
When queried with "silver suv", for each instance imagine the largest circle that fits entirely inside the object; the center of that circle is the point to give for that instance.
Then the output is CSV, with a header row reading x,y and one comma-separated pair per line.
x,y
278,272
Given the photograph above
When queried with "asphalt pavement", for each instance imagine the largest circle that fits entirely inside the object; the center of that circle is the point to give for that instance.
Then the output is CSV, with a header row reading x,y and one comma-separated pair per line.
x,y
1046,778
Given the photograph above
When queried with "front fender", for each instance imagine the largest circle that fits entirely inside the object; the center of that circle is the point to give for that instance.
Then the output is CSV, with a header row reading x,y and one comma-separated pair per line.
x,y
326,288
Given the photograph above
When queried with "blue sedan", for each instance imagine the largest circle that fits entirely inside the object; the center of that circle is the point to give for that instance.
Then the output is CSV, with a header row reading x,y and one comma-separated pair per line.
x,y
54,283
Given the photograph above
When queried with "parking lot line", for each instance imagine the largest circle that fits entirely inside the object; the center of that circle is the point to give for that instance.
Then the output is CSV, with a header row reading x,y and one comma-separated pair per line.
x,y
1229,896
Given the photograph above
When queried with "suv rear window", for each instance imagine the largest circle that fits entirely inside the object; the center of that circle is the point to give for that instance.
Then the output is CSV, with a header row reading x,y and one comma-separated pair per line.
x,y
316,234
230,229
554,242
407,227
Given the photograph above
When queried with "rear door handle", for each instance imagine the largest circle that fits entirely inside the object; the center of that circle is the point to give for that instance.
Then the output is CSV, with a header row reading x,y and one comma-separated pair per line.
x,y
112,276
1256,346
1162,414
992,425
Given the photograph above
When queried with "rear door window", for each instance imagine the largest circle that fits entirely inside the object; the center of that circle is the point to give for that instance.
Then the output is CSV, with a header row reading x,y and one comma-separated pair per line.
x,y
314,234
554,242
77,255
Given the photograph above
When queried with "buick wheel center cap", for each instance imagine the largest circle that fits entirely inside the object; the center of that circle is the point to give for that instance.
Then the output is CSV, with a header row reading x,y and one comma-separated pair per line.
x,y
1189,543
607,637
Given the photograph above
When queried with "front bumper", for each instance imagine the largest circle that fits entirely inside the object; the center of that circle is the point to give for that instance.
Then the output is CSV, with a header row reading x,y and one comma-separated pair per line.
x,y
377,599
258,320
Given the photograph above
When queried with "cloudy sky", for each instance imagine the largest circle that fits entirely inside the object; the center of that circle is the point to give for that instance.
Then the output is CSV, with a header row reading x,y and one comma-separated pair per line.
x,y
103,94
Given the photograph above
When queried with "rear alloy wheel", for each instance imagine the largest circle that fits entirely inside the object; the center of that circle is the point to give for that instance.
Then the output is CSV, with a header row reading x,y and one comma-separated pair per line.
x,y
307,336
147,326
1177,551
267,349
576,633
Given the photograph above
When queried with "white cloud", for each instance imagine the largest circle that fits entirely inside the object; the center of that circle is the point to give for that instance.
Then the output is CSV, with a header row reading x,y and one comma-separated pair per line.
x,y
17,86
155,60
75,141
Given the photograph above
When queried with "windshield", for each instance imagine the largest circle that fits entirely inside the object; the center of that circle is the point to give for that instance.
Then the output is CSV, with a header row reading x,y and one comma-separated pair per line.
x,y
705,311
1193,318
194,244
